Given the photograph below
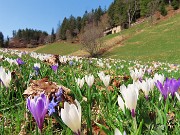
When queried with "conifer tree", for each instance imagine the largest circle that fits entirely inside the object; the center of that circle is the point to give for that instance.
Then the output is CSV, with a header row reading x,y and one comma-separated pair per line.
x,y
1,39
53,36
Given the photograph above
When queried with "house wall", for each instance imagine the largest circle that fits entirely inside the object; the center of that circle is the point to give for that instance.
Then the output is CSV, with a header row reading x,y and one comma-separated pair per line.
x,y
112,30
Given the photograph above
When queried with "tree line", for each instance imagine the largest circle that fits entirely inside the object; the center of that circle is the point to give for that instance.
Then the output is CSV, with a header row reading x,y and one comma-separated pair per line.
x,y
120,13
72,26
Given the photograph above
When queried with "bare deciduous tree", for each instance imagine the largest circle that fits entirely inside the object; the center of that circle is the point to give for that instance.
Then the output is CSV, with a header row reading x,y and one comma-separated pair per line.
x,y
104,21
153,6
91,39
68,35
132,7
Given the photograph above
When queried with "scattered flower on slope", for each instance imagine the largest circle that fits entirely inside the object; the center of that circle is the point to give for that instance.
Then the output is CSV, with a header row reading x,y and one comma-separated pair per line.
x,y
20,61
5,78
163,88
136,74
89,80
71,116
106,80
54,68
169,86
117,132
159,77
37,68
147,86
121,103
51,107
173,86
59,94
130,97
55,101
80,82
37,65
177,95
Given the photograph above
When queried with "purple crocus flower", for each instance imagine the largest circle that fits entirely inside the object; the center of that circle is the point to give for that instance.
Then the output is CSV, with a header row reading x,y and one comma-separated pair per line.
x,y
149,71
20,61
163,89
53,104
37,68
38,107
71,63
170,86
51,107
173,86
54,67
59,95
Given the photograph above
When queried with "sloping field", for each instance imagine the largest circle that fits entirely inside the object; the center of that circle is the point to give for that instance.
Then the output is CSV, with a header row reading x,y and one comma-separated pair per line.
x,y
145,42
160,42
60,48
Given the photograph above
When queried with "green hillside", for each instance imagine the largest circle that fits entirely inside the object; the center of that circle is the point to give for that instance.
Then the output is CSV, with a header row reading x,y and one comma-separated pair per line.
x,y
145,42
160,42
60,48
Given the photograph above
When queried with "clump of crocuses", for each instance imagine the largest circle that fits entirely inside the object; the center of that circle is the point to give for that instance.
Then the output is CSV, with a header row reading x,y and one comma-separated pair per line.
x,y
38,106
169,86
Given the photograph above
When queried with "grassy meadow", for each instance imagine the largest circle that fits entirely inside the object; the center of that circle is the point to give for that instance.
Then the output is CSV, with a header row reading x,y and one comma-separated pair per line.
x,y
60,48
145,42
112,96
159,42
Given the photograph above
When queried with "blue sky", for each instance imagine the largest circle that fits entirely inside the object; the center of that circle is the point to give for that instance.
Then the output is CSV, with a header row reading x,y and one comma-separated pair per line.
x,y
42,14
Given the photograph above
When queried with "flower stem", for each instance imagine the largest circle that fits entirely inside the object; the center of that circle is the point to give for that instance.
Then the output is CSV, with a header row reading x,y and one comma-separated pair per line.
x,y
89,124
135,124
58,119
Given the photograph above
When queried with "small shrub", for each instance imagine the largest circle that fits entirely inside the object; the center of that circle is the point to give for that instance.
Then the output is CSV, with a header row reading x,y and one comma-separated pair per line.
x,y
163,9
175,4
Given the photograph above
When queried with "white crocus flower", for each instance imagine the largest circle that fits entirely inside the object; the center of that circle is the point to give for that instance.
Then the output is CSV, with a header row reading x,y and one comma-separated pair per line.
x,y
130,97
146,86
37,65
1,56
71,116
108,65
159,77
100,63
151,83
5,77
11,61
137,86
121,103
101,75
177,95
117,132
136,74
80,82
106,80
89,80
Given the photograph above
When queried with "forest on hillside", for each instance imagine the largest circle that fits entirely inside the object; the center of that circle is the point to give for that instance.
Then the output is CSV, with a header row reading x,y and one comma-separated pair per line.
x,y
120,13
